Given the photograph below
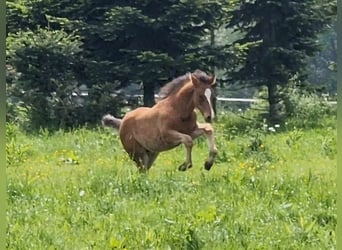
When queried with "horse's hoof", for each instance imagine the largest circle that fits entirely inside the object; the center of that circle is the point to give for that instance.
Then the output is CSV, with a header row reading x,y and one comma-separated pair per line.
x,y
208,165
184,166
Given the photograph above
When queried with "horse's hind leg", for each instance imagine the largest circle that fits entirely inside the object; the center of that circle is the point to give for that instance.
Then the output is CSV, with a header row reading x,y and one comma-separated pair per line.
x,y
207,129
152,156
138,159
137,153
144,160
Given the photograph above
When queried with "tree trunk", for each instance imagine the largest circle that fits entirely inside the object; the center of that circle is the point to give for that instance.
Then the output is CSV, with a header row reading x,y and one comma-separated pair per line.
x,y
275,116
148,95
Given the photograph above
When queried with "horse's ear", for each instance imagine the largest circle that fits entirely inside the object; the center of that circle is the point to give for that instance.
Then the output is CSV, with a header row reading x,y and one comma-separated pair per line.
x,y
194,80
213,81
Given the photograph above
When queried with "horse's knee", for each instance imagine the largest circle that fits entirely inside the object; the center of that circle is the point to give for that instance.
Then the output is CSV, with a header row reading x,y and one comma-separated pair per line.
x,y
207,127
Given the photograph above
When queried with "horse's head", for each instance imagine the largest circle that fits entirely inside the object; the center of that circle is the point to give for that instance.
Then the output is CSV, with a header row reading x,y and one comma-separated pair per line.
x,y
204,95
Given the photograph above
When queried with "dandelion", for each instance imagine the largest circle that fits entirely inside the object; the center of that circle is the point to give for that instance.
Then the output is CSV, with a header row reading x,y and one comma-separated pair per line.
x,y
82,193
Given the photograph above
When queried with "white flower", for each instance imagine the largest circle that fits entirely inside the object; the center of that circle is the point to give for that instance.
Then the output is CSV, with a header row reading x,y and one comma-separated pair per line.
x,y
276,125
271,129
82,193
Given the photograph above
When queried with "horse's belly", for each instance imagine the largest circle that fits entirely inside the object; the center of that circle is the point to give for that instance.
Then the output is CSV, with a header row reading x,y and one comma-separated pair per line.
x,y
143,126
164,147
155,144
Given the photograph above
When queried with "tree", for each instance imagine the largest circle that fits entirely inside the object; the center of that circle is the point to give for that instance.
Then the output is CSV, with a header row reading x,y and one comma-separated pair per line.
x,y
46,61
287,31
123,42
322,72
146,42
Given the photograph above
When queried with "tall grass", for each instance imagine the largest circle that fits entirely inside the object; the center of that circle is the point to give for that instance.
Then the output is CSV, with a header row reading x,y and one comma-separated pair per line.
x,y
269,189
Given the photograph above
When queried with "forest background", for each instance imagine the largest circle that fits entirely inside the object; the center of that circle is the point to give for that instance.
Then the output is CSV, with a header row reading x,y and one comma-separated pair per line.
x,y
69,62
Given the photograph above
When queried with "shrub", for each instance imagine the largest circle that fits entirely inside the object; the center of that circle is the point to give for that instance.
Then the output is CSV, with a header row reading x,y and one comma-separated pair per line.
x,y
301,109
48,77
306,109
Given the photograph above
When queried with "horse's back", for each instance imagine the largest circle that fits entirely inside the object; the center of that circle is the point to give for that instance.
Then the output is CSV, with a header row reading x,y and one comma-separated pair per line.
x,y
137,116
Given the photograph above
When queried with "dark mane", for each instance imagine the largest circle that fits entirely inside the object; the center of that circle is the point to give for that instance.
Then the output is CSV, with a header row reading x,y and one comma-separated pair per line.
x,y
173,86
202,76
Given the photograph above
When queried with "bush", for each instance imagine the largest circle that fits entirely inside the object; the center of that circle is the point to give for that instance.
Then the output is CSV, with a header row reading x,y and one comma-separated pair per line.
x,y
306,109
44,79
44,72
301,108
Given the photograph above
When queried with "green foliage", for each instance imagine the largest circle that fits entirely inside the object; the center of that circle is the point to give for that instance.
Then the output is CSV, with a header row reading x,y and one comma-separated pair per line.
x,y
106,46
105,203
17,16
129,37
46,74
322,69
293,137
306,109
288,31
58,52
46,61
16,152
16,110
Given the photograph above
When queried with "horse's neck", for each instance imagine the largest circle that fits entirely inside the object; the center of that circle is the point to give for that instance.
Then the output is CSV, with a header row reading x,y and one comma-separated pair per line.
x,y
184,103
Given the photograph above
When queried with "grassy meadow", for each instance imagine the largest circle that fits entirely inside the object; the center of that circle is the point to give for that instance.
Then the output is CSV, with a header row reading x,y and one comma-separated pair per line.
x,y
270,188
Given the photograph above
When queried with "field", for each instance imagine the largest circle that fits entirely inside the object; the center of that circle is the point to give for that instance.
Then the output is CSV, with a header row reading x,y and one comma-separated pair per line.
x,y
270,188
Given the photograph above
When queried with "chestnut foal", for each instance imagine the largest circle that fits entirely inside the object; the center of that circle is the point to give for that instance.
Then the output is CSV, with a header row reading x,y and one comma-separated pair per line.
x,y
145,132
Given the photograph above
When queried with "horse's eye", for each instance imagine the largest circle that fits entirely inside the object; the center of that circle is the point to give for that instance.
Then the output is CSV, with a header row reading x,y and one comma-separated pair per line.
x,y
202,99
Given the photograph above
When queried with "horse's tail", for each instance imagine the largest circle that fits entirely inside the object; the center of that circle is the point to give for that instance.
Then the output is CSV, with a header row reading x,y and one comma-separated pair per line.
x,y
111,121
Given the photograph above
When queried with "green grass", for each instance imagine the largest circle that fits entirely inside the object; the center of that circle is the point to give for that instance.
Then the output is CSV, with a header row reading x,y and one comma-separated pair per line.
x,y
79,190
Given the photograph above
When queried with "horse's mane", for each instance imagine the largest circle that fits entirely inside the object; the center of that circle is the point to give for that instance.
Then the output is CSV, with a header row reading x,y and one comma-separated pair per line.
x,y
177,83
173,86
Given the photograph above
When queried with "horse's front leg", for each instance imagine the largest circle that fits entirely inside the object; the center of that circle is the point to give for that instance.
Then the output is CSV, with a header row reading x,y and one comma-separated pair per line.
x,y
174,138
207,129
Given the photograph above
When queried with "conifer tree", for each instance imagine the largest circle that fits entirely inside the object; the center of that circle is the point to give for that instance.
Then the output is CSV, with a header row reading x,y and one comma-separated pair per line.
x,y
287,33
146,42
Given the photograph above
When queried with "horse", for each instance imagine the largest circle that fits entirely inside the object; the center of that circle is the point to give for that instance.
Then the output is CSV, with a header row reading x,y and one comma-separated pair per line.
x,y
146,131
